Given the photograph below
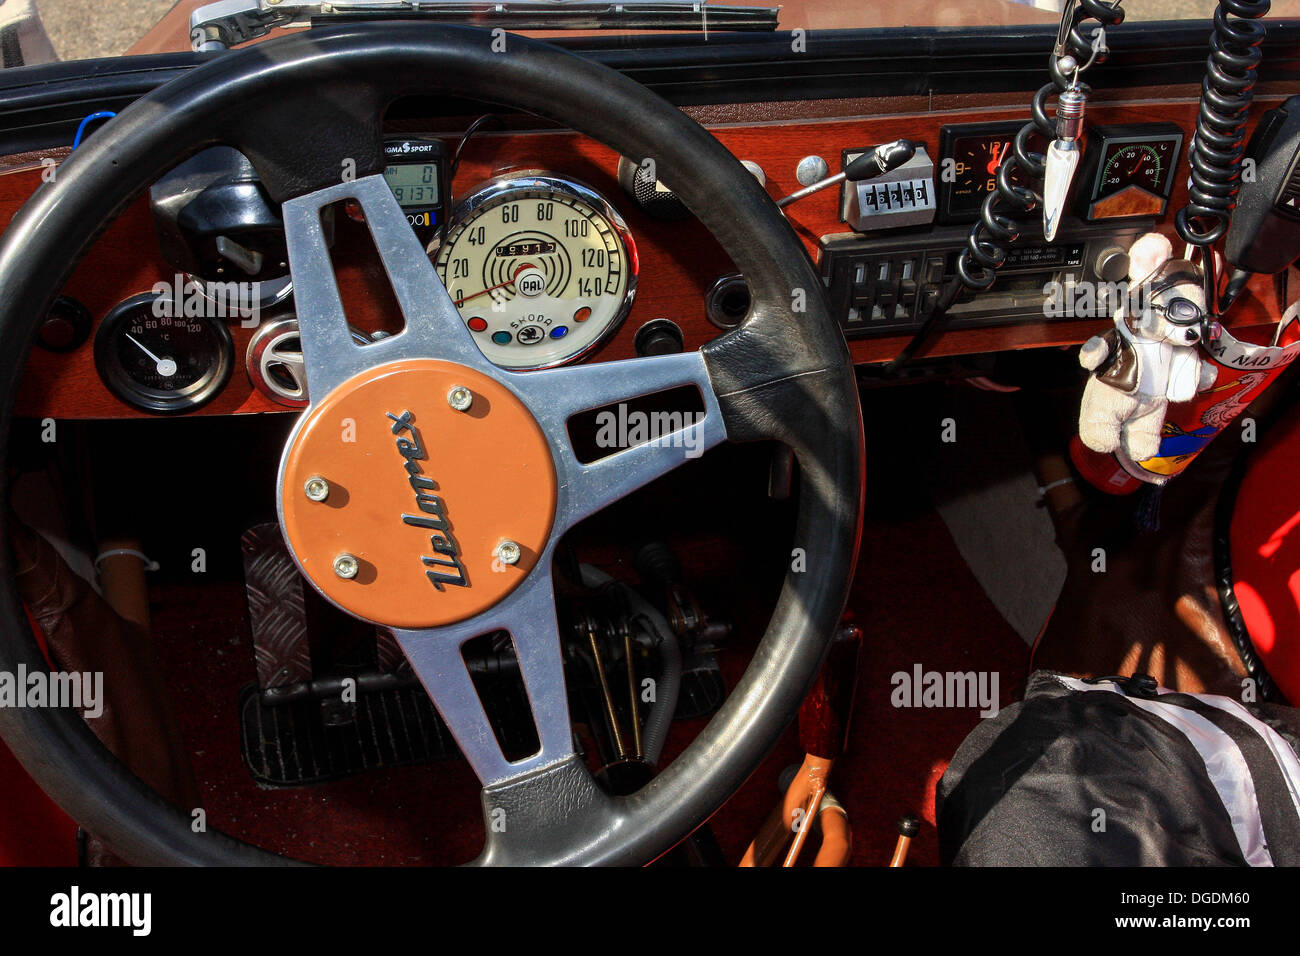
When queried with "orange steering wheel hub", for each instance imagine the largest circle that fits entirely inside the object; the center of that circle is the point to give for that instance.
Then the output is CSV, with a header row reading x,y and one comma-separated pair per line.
x,y
418,493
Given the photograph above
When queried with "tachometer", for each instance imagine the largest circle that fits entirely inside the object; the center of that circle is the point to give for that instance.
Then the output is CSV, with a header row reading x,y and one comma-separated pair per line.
x,y
541,268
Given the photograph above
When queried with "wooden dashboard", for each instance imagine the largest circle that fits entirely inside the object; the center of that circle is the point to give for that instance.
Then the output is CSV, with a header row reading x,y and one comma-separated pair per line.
x,y
679,261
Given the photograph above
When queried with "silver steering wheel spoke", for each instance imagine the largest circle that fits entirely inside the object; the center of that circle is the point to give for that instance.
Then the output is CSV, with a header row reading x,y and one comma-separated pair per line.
x,y
411,470
434,328
673,438
528,616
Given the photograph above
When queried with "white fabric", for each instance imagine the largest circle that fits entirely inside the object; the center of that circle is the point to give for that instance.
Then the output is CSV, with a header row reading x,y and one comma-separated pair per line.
x,y
1165,371
1286,757
1184,375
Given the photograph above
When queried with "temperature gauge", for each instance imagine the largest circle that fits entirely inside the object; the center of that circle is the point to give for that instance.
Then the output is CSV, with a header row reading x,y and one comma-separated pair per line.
x,y
1132,170
158,360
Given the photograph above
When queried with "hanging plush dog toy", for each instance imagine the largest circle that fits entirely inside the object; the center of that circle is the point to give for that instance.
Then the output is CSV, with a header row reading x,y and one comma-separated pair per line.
x,y
1150,358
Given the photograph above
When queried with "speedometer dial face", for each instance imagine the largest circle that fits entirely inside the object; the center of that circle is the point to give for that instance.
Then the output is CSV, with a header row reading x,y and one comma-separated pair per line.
x,y
541,268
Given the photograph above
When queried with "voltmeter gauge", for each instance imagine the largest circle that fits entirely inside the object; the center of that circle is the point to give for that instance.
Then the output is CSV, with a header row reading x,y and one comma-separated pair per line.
x,y
1131,170
541,268
159,361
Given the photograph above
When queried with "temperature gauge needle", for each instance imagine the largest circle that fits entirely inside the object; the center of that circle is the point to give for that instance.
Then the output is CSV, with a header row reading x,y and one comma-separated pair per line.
x,y
164,366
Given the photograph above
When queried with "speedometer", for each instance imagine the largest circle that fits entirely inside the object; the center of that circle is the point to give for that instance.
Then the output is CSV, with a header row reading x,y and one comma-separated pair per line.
x,y
541,268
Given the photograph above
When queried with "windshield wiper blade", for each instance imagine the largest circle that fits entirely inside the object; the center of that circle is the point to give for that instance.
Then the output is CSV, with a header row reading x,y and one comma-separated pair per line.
x,y
227,23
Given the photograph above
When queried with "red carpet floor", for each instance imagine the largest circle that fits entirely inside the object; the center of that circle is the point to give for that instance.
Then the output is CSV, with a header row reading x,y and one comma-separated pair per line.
x,y
914,597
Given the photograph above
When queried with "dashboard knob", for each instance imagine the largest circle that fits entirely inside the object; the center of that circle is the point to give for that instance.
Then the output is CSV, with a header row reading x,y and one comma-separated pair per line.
x,y
658,337
811,169
1112,264
65,327
728,301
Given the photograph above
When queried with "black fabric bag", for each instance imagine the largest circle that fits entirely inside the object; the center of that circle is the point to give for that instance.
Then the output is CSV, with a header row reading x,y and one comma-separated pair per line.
x,y
1122,773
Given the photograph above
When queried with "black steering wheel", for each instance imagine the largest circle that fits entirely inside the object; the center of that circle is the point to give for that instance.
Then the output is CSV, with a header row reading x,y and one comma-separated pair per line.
x,y
306,111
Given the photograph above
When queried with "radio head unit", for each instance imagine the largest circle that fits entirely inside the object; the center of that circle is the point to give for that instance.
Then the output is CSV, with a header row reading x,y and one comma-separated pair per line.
x,y
882,286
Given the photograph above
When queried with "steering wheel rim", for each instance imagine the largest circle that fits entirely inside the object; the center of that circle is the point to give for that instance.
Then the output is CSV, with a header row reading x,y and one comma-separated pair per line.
x,y
784,374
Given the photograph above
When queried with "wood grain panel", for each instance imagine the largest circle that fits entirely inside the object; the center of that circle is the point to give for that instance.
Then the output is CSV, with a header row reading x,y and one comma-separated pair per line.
x,y
679,261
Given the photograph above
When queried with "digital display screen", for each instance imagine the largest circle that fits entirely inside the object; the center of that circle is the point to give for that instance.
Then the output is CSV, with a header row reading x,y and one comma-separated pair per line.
x,y
414,185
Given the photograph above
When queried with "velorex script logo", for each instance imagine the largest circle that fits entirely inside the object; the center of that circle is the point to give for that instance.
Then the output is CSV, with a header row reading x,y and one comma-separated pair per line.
x,y
444,566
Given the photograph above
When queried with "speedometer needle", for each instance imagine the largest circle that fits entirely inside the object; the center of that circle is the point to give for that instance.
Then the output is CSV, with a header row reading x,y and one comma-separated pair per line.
x,y
492,288
164,367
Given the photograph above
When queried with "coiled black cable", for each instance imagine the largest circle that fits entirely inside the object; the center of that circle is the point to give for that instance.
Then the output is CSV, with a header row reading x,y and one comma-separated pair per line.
x,y
998,226
986,248
1220,141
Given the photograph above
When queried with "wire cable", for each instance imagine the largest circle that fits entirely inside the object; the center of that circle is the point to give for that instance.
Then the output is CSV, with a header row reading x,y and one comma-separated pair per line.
x,y
1220,141
999,222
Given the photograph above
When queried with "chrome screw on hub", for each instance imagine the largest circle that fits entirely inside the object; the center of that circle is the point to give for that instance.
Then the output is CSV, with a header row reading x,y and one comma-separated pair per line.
x,y
346,566
460,398
316,488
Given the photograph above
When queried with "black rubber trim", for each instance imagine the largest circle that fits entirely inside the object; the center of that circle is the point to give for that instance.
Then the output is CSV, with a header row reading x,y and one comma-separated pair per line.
x,y
298,105
1223,581
41,105
11,47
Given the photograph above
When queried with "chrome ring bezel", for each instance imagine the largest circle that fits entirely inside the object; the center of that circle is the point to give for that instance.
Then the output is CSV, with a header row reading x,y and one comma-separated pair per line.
x,y
496,189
